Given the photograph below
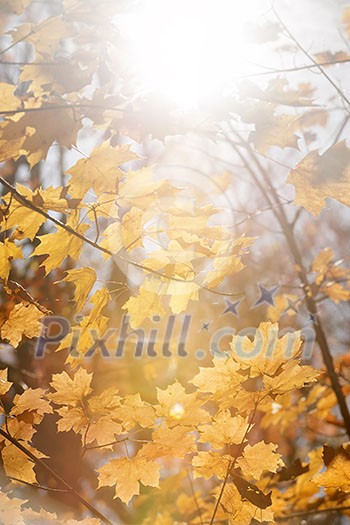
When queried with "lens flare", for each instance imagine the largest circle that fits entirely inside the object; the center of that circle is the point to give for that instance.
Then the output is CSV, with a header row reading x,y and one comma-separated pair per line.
x,y
188,50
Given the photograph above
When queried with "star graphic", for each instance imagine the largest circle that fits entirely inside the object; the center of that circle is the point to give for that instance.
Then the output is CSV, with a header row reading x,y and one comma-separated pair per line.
x,y
312,317
292,305
205,326
266,295
232,307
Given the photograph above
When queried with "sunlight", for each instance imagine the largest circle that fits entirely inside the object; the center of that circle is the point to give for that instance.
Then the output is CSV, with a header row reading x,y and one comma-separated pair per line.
x,y
188,50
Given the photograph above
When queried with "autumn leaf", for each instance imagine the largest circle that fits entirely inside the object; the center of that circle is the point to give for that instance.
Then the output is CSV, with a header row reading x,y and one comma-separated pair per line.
x,y
180,408
100,170
31,406
8,251
258,458
70,391
208,464
83,279
23,321
318,177
126,474
57,246
5,385
224,430
337,475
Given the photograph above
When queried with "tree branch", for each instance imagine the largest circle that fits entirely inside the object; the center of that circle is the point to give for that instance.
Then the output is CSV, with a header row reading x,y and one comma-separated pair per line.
x,y
56,476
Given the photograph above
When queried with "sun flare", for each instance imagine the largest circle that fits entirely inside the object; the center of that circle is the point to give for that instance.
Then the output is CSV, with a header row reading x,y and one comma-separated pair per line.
x,y
190,50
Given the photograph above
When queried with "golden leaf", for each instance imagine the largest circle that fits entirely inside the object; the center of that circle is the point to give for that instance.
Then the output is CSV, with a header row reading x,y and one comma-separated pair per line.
x,y
57,246
180,408
4,384
83,279
8,251
224,430
70,391
23,321
31,404
318,177
126,474
267,352
208,464
259,458
337,476
100,170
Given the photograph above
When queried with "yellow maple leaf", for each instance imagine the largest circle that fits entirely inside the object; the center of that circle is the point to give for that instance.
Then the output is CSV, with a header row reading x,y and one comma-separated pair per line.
x,y
17,464
224,430
31,403
4,384
259,458
8,99
126,474
337,475
134,411
177,442
208,464
266,352
291,376
70,391
94,321
100,170
57,246
83,279
222,380
180,408
8,251
318,177
23,321
240,511
146,304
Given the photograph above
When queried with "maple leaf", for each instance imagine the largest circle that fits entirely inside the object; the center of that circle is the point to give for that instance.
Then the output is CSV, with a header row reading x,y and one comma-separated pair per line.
x,y
180,408
318,177
8,251
70,391
222,380
126,474
72,418
94,321
23,321
240,510
5,385
8,98
17,464
267,352
177,442
146,304
321,264
291,376
83,279
100,170
31,406
337,476
57,246
224,430
208,464
32,135
258,458
134,411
